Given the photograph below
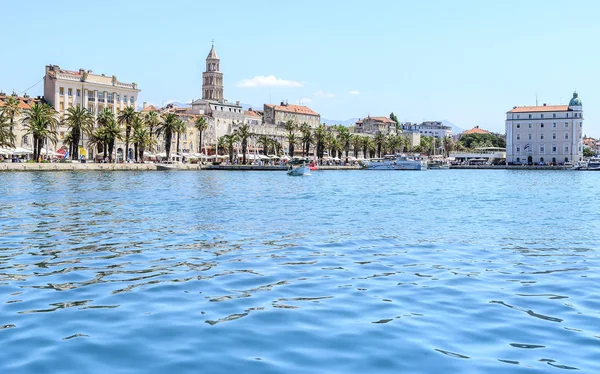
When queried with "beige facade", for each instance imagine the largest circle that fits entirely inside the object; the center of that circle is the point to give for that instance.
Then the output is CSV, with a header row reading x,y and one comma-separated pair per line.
x,y
373,125
22,140
278,115
546,133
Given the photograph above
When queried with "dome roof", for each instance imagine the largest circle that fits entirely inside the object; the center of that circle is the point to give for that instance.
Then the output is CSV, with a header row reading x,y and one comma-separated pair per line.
x,y
575,101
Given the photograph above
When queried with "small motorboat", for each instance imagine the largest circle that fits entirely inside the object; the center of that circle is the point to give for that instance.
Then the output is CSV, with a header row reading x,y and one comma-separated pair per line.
x,y
169,165
298,171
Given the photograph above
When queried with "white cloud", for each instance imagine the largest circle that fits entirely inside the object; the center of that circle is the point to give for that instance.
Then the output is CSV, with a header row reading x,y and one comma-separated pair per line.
x,y
187,102
268,81
354,92
324,94
306,100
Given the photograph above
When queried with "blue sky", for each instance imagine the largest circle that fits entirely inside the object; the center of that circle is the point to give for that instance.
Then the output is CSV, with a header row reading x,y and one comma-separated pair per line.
x,y
467,62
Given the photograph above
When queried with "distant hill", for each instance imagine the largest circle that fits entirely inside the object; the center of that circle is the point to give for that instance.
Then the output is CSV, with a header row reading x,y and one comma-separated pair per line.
x,y
348,122
455,129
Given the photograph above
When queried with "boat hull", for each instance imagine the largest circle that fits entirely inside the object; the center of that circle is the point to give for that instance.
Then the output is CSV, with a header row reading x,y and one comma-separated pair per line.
x,y
299,171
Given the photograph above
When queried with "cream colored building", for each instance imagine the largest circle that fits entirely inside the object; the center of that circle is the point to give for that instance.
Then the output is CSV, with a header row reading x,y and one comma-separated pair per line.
x,y
546,133
373,125
67,88
278,115
22,140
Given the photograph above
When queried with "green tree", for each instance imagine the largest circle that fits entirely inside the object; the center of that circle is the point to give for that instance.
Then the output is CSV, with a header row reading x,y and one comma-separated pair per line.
x,y
290,125
11,109
178,130
229,143
110,129
40,121
7,137
243,133
587,152
201,125
356,142
319,138
142,140
126,118
292,140
345,139
264,142
306,138
168,127
379,142
80,121
97,140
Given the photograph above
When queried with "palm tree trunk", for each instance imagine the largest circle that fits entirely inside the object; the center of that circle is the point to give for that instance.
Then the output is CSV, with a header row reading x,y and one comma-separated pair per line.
x,y
35,140
178,150
39,150
200,143
111,146
135,151
244,146
126,153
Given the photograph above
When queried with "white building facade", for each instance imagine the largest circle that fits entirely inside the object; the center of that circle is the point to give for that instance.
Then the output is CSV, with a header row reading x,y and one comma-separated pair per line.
x,y
545,134
428,128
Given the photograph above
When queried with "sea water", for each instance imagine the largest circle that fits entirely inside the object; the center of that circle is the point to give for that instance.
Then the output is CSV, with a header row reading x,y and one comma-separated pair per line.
x,y
442,271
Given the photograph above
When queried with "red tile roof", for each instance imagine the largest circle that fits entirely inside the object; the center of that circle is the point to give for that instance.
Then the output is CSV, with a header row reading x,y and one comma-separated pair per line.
x,y
474,130
251,113
293,109
150,108
543,108
381,119
23,102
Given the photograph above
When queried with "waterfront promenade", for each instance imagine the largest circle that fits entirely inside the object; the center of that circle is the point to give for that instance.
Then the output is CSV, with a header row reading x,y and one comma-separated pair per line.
x,y
143,167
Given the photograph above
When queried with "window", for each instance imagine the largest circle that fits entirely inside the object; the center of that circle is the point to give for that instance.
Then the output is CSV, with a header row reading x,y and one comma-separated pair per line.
x,y
530,125
566,149
554,115
567,115
518,126
131,99
530,116
25,140
78,92
70,92
553,135
553,148
100,96
542,136
567,136
61,91
518,136
542,115
529,136
542,125
125,98
61,106
542,148
554,124
518,116
566,125
518,149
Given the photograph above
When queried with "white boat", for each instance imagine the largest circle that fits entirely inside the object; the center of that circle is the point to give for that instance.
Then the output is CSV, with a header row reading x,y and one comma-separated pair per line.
x,y
437,163
593,164
397,162
298,171
169,165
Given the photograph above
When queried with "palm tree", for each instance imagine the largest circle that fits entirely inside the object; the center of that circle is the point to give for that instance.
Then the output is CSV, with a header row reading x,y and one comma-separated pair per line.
x,y
152,121
106,119
306,138
138,124
201,125
126,117
263,141
365,145
345,139
40,121
229,142
167,128
243,133
142,140
319,137
80,121
221,145
379,141
292,140
290,125
7,137
356,142
97,140
68,141
180,129
12,109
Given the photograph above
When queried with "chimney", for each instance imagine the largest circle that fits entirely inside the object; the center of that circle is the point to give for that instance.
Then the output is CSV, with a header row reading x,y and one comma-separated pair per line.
x,y
544,104
237,103
81,71
282,103
144,104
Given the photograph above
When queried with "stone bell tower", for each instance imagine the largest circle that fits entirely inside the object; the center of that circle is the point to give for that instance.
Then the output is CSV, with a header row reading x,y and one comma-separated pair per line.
x,y
212,78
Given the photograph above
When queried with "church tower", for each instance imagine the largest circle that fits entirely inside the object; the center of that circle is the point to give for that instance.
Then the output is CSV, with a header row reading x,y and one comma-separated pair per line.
x,y
212,78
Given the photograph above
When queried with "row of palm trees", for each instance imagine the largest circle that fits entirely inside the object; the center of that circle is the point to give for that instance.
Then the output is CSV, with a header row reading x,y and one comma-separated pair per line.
x,y
336,140
42,122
